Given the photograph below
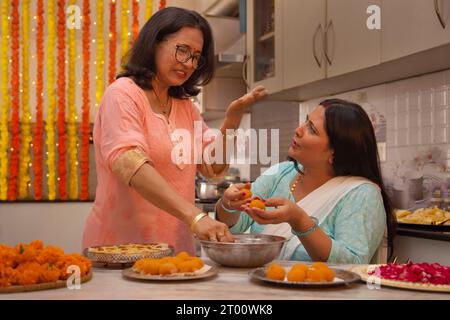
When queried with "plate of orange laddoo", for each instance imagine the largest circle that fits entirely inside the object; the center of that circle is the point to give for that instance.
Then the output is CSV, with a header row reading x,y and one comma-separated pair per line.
x,y
310,275
33,266
179,267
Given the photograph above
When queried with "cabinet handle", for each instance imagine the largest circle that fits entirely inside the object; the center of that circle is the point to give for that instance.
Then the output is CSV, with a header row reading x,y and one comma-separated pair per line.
x,y
330,24
244,71
319,28
437,9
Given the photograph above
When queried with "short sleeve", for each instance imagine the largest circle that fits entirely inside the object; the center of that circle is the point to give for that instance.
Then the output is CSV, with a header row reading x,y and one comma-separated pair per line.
x,y
121,125
358,226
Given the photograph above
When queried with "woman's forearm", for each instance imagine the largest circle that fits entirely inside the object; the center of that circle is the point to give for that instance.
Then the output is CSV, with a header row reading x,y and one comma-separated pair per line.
x,y
317,244
152,186
229,219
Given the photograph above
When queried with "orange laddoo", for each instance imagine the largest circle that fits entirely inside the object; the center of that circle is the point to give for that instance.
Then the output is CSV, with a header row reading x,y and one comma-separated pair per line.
x,y
182,263
300,266
198,263
183,255
246,193
257,203
187,266
315,275
275,272
167,268
296,275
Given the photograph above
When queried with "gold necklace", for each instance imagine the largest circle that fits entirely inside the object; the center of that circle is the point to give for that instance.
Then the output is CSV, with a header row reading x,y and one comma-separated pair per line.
x,y
294,184
163,105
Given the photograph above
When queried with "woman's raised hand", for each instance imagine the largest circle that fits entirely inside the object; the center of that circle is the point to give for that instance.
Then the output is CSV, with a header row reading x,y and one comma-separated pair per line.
x,y
238,106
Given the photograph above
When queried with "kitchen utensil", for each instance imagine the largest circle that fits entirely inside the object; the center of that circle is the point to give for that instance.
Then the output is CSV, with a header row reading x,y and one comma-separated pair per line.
x,y
248,250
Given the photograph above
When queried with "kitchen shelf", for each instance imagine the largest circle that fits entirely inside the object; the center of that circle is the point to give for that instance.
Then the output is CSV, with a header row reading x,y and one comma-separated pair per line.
x,y
267,36
432,235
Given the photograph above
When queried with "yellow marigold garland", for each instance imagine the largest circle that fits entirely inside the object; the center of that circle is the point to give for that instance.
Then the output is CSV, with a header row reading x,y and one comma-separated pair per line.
x,y
125,36
72,138
6,103
51,100
148,9
100,63
25,158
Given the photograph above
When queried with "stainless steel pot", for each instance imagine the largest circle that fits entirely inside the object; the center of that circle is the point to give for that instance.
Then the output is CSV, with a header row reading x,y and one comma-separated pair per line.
x,y
207,190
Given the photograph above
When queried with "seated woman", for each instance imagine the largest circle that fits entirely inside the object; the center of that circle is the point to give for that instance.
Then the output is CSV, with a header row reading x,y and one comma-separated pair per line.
x,y
329,200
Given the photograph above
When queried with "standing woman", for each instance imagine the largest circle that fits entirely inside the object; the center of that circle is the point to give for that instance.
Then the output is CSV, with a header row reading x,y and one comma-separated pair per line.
x,y
144,194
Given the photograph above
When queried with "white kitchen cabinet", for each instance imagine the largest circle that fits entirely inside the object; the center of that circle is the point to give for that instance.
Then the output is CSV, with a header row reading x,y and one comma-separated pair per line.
x,y
264,44
350,44
411,26
327,38
303,42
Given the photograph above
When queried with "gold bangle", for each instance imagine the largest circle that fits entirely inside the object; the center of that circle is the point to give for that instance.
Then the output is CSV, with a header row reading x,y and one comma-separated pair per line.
x,y
197,219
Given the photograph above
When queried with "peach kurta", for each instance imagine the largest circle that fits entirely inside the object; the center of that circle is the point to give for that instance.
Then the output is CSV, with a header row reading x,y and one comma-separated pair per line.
x,y
119,214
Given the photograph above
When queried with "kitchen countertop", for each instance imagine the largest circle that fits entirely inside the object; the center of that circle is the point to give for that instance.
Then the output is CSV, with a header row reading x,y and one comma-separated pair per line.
x,y
229,284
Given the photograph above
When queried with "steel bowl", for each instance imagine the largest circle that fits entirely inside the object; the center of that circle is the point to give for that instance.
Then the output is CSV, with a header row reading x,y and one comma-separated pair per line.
x,y
248,250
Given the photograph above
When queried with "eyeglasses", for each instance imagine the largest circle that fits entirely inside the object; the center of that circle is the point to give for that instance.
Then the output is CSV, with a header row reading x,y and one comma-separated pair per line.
x,y
183,54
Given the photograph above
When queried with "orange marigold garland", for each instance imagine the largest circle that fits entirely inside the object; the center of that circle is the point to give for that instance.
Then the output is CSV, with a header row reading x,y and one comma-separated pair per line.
x,y
25,156
112,41
135,23
38,143
62,171
84,156
15,99
162,4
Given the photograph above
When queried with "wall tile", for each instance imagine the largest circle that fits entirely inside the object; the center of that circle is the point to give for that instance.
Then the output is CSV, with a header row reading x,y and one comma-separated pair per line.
x,y
425,117
425,99
413,101
402,121
402,102
402,137
414,120
425,135
439,115
440,97
439,134
413,136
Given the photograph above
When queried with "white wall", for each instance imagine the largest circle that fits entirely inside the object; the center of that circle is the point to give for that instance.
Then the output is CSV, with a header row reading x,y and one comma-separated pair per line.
x,y
59,224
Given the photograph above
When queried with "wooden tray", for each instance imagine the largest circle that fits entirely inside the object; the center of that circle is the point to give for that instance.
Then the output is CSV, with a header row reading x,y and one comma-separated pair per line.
x,y
43,286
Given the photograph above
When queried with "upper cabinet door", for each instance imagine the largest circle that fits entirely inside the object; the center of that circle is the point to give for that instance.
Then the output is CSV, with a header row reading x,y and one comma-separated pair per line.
x,y
303,41
351,45
411,26
264,44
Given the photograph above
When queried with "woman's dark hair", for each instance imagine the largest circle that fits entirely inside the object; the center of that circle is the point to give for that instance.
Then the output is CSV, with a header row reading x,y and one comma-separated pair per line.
x,y
140,65
352,139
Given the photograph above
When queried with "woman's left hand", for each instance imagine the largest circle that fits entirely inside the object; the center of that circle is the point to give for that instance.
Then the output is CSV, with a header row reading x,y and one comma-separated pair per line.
x,y
237,108
284,211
